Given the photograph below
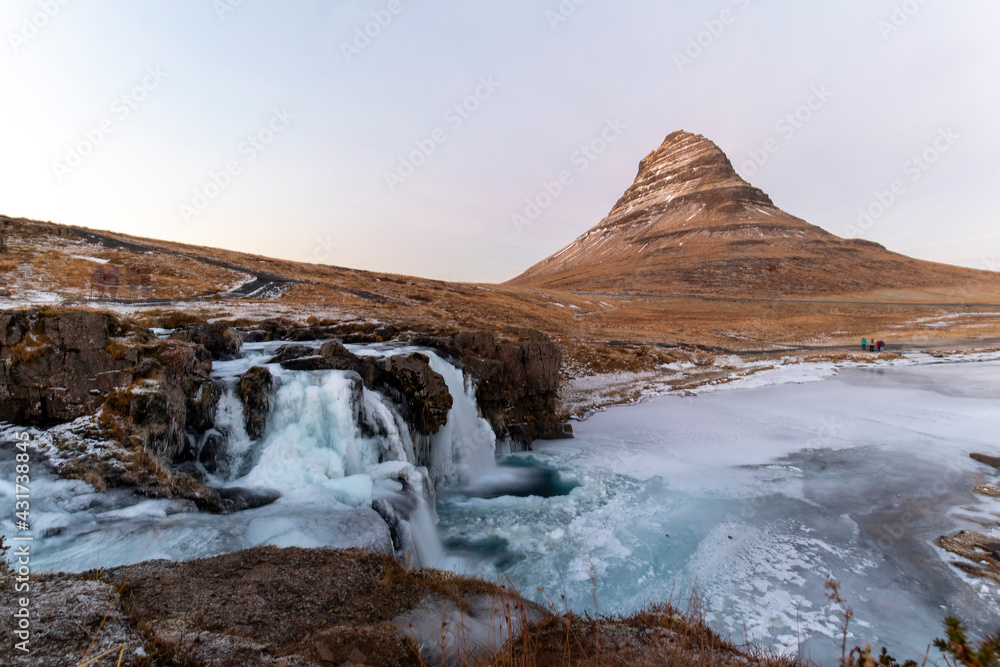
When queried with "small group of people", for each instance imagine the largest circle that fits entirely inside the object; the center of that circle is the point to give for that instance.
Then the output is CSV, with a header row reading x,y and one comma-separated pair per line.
x,y
872,345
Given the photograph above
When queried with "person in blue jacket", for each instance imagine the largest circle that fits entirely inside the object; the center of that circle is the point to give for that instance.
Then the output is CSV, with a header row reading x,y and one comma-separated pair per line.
x,y
864,344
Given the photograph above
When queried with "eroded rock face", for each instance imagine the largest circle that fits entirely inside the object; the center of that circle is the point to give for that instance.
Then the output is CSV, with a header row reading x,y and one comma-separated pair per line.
x,y
413,384
517,380
255,389
201,405
125,403
174,395
57,367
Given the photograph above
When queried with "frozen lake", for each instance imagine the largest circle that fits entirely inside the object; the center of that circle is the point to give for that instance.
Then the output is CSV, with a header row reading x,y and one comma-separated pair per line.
x,y
755,496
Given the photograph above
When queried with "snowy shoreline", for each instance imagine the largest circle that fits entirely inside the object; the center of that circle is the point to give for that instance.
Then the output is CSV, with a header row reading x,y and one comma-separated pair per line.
x,y
732,372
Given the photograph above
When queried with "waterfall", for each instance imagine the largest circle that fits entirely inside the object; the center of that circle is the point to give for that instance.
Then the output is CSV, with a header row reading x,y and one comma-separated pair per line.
x,y
223,450
328,436
465,447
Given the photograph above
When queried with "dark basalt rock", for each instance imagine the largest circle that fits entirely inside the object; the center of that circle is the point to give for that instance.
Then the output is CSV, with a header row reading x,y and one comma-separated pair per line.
x,y
57,367
235,499
213,449
517,380
254,336
220,341
255,389
289,352
317,363
201,405
334,348
417,388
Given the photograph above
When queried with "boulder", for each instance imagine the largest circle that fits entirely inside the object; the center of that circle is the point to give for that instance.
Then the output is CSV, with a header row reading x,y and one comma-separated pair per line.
x,y
421,392
220,341
289,352
235,499
318,363
334,348
255,389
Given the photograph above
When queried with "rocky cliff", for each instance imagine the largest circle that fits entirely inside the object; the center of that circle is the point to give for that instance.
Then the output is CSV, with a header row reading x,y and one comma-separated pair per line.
x,y
517,380
126,401
57,367
137,411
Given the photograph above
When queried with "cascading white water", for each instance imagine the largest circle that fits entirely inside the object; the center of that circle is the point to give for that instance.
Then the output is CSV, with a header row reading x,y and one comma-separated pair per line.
x,y
230,428
465,447
329,436
341,456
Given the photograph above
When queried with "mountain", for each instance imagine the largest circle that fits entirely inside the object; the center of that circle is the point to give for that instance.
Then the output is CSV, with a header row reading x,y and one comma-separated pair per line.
x,y
690,225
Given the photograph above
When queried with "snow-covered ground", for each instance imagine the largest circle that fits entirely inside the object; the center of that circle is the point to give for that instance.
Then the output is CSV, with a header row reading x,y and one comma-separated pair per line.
x,y
755,492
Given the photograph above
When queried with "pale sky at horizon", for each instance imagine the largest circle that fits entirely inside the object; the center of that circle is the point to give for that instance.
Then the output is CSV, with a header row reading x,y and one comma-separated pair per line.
x,y
200,79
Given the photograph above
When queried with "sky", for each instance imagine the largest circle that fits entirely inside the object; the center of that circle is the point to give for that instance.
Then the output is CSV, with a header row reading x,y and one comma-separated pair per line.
x,y
428,138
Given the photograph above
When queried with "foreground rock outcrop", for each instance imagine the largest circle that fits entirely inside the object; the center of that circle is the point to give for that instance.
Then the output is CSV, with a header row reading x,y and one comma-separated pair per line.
x,y
268,606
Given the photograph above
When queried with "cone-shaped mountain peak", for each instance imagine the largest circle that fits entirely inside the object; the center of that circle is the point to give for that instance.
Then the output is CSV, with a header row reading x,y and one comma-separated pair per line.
x,y
687,170
689,224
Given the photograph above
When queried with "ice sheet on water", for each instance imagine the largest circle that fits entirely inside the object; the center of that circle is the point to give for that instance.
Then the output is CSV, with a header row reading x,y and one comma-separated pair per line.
x,y
852,477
